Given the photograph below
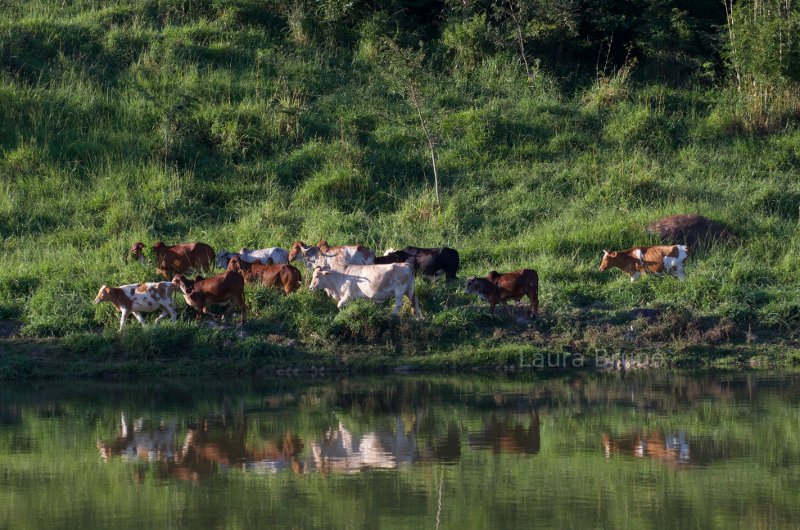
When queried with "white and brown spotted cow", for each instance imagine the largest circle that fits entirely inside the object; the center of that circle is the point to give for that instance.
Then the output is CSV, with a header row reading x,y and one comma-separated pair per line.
x,y
659,259
138,298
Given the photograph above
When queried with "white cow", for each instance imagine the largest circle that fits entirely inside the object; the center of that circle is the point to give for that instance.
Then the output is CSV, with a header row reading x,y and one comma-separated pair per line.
x,y
341,450
278,256
153,444
138,298
375,282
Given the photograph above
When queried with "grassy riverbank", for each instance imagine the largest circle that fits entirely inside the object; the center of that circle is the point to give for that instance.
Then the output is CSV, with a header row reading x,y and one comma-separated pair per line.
x,y
244,126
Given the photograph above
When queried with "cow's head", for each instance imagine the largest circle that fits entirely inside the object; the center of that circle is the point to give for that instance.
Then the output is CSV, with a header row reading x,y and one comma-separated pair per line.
x,y
158,247
103,294
480,286
472,285
137,251
609,260
237,264
297,251
318,278
182,283
306,254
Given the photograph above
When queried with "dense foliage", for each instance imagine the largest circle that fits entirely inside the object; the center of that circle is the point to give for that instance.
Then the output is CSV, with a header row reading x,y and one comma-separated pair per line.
x,y
559,128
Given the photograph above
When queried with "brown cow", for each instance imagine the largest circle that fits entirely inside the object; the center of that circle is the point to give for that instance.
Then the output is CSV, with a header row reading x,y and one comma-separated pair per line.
x,y
634,262
496,288
282,276
225,288
178,259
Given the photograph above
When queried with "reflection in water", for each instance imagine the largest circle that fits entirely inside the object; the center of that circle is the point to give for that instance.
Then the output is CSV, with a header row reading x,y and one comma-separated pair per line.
x,y
509,435
210,447
137,442
671,449
204,450
405,452
341,450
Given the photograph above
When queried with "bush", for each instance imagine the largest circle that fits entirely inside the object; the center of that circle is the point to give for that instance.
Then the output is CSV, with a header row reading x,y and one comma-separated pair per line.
x,y
363,320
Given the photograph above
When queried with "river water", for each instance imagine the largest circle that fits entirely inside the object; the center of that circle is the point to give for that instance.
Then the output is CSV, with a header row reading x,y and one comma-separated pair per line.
x,y
636,450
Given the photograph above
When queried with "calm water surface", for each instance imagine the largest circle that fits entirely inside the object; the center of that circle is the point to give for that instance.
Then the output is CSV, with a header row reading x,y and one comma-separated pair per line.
x,y
588,450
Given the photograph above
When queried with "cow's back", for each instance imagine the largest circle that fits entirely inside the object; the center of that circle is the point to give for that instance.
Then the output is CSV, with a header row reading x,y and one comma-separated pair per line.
x,y
378,277
220,285
184,257
521,281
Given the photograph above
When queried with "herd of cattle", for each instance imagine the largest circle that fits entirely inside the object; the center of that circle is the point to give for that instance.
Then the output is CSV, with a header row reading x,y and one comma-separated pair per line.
x,y
344,273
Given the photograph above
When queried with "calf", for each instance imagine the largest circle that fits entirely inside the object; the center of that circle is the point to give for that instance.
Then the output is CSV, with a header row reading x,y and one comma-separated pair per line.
x,y
668,259
138,298
226,288
267,256
177,259
283,276
324,255
374,282
426,261
497,288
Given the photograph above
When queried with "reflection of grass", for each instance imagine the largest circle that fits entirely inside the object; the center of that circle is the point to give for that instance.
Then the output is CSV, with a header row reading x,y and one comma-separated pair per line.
x,y
124,123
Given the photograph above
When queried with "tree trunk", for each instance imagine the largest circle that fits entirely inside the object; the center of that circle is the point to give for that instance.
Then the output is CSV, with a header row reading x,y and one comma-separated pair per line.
x,y
431,142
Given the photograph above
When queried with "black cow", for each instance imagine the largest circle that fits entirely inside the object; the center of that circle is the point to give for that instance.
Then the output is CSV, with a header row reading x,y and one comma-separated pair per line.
x,y
426,261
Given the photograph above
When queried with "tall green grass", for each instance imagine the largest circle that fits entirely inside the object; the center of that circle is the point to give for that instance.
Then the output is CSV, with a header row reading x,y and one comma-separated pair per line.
x,y
177,121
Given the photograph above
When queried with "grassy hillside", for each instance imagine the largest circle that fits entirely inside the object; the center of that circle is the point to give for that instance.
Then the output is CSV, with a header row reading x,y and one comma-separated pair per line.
x,y
239,125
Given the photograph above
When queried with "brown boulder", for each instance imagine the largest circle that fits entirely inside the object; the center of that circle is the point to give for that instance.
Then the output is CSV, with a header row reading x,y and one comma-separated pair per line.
x,y
688,229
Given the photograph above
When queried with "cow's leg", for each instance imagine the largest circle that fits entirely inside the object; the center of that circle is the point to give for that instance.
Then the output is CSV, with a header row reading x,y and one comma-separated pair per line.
x,y
139,317
533,309
412,297
123,316
342,301
681,273
635,276
242,307
166,310
398,302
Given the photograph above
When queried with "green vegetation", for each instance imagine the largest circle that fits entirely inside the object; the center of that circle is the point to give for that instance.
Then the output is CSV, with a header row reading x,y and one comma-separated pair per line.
x,y
556,132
